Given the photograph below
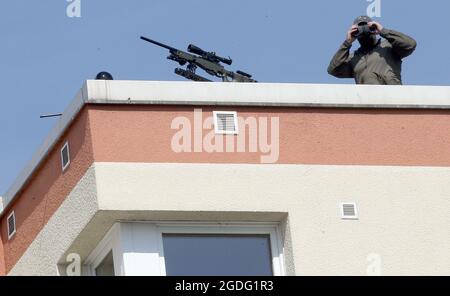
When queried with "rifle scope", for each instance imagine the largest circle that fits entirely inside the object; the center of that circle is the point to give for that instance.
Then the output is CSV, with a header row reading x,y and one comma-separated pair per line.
x,y
210,55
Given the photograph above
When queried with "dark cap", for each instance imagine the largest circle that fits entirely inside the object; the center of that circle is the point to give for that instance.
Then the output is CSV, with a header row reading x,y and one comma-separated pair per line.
x,y
362,19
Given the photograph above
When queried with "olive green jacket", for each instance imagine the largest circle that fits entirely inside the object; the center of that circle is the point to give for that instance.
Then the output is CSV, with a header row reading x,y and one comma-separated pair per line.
x,y
381,65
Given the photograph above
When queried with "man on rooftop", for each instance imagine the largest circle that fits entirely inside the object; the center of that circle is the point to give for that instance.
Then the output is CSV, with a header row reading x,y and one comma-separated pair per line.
x,y
377,61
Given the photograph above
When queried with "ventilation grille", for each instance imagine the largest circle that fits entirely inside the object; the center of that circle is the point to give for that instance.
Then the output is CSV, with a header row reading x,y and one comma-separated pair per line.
x,y
349,211
11,225
225,122
65,156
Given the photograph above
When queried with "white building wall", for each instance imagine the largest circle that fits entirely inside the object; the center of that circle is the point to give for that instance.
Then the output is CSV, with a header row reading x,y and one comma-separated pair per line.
x,y
403,212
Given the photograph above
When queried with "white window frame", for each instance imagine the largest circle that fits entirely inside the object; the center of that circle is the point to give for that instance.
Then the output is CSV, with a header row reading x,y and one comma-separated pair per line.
x,y
13,215
64,167
129,259
216,123
241,229
344,217
109,243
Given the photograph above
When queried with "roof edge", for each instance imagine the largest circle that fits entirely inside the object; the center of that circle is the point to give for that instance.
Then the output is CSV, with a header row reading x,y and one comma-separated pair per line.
x,y
268,94
60,127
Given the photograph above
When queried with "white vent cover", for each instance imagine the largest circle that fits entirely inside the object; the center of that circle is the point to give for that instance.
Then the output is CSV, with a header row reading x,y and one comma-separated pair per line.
x,y
349,210
225,122
11,225
65,156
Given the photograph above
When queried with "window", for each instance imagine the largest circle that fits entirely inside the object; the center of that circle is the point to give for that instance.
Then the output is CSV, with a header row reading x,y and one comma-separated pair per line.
x,y
222,249
11,225
217,255
105,259
349,211
225,122
65,156
106,267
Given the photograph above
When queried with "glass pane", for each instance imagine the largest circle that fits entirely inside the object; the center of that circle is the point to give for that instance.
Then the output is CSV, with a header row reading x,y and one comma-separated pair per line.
x,y
217,255
65,156
106,268
11,225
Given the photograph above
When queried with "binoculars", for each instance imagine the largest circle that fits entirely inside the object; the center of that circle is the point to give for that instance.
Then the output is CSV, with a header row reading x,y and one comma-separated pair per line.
x,y
365,30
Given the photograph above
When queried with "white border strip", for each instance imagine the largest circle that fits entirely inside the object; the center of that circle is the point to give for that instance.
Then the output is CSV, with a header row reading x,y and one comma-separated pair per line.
x,y
268,94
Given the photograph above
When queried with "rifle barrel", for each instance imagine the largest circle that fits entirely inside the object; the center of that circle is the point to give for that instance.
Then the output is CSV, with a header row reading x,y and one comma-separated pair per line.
x,y
158,43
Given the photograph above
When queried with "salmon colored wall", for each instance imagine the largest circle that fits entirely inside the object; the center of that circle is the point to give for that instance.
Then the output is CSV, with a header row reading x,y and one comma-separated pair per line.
x,y
47,190
2,257
307,136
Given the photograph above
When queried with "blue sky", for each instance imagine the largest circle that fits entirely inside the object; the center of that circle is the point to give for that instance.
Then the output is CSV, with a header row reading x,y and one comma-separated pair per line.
x,y
46,56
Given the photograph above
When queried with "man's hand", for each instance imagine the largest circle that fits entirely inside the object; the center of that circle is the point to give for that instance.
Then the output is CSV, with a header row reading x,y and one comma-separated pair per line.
x,y
378,27
353,29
